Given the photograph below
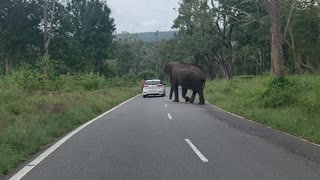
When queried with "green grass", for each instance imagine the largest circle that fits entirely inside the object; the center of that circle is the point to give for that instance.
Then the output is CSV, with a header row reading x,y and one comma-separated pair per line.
x,y
292,107
33,118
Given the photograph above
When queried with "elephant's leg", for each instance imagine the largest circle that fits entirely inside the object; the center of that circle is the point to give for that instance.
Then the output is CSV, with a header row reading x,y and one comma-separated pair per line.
x,y
184,94
176,92
171,91
193,96
201,98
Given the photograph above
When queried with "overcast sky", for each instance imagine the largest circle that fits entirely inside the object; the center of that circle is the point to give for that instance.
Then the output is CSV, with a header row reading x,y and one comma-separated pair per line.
x,y
143,15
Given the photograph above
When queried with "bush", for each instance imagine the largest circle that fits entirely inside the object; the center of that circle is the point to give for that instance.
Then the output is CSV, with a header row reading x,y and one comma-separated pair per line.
x,y
27,78
231,86
30,80
147,74
245,77
279,93
122,82
90,81
312,103
310,99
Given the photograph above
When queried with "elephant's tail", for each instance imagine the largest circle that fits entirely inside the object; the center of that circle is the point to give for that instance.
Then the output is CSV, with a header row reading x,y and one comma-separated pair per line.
x,y
203,83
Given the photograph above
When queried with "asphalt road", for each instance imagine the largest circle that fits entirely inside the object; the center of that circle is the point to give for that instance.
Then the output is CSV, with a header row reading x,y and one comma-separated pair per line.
x,y
154,138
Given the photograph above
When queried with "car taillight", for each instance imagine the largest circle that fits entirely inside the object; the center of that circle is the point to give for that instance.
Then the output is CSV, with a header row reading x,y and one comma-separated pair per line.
x,y
145,86
159,85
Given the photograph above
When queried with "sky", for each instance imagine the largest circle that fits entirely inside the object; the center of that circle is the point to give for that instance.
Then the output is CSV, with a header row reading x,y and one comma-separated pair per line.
x,y
135,16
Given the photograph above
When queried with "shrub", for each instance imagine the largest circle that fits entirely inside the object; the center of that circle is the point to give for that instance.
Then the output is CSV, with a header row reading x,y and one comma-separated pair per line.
x,y
147,74
90,81
27,78
121,82
279,93
310,99
231,86
245,77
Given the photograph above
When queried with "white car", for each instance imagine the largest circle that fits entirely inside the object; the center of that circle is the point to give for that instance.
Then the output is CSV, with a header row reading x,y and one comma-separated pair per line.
x,y
153,87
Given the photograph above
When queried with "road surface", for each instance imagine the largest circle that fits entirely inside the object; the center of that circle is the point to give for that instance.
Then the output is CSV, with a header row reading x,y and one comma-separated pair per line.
x,y
154,138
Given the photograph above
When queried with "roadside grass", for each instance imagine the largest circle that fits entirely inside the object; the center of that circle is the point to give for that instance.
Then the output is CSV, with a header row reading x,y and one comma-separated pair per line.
x,y
31,118
292,107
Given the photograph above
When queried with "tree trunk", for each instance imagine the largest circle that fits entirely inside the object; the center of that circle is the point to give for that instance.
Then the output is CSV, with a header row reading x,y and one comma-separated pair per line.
x,y
262,61
8,67
219,70
47,33
276,47
45,24
209,63
277,61
308,66
229,69
297,61
244,65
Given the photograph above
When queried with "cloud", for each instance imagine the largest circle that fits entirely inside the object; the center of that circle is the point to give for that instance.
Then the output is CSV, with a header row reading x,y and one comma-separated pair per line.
x,y
143,15
149,23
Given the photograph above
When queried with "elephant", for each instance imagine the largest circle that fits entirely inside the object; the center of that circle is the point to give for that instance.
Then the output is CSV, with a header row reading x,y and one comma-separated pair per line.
x,y
188,77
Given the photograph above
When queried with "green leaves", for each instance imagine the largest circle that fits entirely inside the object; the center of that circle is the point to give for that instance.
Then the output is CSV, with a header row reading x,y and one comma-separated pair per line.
x,y
81,38
278,94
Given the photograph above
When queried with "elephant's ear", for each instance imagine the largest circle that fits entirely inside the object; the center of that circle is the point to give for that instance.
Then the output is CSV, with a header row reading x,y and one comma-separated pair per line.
x,y
168,68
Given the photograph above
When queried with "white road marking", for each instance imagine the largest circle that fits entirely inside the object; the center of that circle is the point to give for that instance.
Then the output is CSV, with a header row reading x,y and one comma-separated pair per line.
x,y
169,116
166,105
19,175
194,148
318,145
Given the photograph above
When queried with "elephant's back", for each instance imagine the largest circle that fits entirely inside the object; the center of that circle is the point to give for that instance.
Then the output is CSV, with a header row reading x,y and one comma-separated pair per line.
x,y
189,73
189,79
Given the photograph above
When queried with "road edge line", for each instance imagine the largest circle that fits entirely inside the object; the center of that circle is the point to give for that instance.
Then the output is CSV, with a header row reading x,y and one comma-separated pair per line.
x,y
27,168
318,145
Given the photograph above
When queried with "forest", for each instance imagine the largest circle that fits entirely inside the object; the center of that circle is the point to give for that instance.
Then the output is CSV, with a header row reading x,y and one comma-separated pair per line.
x,y
224,38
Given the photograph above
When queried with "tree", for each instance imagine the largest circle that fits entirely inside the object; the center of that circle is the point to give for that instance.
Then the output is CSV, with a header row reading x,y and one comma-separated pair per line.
x,y
252,42
124,55
210,30
48,32
277,61
19,32
302,30
97,33
197,36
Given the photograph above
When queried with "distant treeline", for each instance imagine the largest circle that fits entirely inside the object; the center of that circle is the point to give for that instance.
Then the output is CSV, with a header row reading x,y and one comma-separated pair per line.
x,y
223,38
151,36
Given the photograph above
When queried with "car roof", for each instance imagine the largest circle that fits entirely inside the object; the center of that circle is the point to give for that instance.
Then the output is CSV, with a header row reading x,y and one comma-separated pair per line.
x,y
153,80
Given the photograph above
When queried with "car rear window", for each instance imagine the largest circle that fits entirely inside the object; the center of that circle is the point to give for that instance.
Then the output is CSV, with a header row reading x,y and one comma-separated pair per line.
x,y
152,82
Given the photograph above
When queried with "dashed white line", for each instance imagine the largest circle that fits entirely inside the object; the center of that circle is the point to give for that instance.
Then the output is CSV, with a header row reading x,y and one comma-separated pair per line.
x,y
166,105
194,148
169,116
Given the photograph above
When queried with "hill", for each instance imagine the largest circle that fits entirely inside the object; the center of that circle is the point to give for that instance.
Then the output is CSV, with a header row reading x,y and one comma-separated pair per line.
x,y
151,36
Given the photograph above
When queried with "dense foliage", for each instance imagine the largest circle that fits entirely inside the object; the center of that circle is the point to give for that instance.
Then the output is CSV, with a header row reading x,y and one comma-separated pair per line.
x,y
229,37
72,37
81,34
224,38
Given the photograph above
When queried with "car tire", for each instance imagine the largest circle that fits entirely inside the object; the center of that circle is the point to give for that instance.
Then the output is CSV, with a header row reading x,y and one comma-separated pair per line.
x,y
144,96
